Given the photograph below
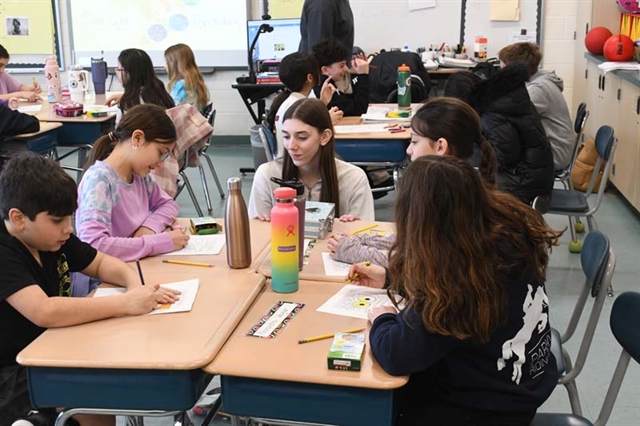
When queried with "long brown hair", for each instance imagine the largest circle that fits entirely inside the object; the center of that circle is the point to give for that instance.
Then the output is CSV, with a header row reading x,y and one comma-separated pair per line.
x,y
452,267
315,114
458,123
140,81
151,119
181,64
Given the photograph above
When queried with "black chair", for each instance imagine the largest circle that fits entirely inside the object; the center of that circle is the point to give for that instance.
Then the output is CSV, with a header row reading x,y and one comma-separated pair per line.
x,y
580,121
210,114
598,264
573,203
624,320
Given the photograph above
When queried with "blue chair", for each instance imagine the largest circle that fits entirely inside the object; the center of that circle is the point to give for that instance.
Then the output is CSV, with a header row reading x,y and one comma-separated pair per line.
x,y
598,263
268,141
578,127
625,316
569,202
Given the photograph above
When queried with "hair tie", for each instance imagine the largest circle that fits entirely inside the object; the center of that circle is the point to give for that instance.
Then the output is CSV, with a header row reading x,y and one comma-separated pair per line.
x,y
112,137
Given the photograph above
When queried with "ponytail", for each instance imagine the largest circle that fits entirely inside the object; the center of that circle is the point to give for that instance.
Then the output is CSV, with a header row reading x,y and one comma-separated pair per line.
x,y
101,149
488,162
275,106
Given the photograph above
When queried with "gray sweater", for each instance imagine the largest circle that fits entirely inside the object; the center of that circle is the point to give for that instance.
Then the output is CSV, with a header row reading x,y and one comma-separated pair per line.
x,y
545,90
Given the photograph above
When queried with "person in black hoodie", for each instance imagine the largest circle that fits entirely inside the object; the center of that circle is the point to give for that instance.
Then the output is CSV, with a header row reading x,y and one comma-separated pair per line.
x,y
14,123
474,332
512,126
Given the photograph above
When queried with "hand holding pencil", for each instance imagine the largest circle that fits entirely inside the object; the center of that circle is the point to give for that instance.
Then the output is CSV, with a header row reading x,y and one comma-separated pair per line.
x,y
366,274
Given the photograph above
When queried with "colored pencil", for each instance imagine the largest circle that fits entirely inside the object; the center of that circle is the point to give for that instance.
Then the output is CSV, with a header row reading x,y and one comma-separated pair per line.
x,y
184,262
366,228
328,336
356,275
140,271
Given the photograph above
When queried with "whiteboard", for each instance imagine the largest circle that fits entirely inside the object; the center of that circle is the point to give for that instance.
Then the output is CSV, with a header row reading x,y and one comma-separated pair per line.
x,y
215,30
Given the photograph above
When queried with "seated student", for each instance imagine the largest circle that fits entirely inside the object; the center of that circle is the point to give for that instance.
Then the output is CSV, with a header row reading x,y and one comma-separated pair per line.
x,y
351,92
310,157
442,126
545,90
186,83
511,124
299,72
10,87
38,252
475,333
122,211
14,123
141,85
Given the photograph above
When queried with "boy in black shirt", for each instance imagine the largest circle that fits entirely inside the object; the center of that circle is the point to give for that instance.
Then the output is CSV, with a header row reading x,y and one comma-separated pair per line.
x,y
38,252
350,92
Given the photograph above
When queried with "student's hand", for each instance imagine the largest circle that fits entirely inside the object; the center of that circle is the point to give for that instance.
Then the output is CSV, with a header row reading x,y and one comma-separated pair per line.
x,y
361,66
179,238
334,241
167,295
13,103
29,96
327,91
348,218
113,99
143,230
143,299
380,310
336,115
367,275
264,218
35,87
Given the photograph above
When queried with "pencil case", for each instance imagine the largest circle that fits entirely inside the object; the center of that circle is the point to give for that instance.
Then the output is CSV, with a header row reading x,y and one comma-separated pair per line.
x,y
68,108
204,226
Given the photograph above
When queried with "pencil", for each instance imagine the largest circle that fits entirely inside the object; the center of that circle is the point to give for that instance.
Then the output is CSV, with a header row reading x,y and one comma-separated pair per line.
x,y
356,275
183,262
328,336
140,271
366,228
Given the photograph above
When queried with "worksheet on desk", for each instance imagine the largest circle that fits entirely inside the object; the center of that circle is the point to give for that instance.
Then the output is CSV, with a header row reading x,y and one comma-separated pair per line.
x,y
30,108
201,245
360,128
356,301
188,290
333,268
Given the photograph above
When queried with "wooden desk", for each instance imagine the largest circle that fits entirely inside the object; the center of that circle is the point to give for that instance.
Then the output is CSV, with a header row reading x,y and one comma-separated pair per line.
x,y
314,269
43,141
280,379
45,127
142,362
260,247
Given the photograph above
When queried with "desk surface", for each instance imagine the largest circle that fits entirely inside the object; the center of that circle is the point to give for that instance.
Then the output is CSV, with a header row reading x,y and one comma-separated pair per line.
x,y
282,358
48,114
181,341
45,126
314,269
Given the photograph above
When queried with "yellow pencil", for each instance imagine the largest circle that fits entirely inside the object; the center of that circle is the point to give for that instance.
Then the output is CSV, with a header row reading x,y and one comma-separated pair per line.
x,y
356,275
366,228
328,336
182,262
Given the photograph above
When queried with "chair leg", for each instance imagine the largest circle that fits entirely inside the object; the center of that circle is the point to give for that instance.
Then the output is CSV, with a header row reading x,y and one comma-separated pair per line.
x,y
591,223
215,175
575,245
191,193
182,419
205,188
574,398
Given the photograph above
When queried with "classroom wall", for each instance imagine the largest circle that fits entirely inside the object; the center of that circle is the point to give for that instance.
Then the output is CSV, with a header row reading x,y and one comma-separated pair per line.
x,y
233,119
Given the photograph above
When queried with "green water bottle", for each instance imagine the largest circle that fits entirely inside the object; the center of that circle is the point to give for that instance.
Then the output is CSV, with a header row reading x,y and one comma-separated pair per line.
x,y
404,87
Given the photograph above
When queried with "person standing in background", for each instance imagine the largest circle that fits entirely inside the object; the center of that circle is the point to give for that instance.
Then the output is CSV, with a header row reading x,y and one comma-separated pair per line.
x,y
324,19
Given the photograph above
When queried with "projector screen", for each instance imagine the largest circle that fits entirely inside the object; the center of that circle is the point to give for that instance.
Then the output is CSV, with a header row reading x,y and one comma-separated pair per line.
x,y
214,29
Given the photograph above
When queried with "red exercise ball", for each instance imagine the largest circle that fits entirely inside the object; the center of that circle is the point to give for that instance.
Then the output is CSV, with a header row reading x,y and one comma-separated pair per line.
x,y
594,40
618,48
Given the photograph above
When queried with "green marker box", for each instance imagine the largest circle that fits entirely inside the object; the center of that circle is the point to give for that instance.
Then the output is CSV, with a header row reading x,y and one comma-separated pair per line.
x,y
346,351
204,226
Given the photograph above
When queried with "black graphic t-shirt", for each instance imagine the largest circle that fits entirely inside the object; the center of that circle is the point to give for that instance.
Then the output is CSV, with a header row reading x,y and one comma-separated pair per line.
x,y
19,269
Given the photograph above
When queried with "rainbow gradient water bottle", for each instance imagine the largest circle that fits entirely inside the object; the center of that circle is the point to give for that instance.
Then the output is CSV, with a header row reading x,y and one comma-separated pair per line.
x,y
284,242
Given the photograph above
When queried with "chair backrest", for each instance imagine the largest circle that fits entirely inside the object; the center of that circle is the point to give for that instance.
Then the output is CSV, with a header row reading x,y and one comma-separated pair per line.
x,y
593,258
625,315
268,140
605,144
578,127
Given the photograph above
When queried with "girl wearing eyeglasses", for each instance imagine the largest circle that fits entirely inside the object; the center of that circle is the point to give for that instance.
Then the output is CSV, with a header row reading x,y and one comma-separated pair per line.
x,y
121,209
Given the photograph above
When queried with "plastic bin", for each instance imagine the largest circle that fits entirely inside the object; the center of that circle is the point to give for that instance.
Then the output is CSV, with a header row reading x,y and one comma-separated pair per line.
x,y
257,148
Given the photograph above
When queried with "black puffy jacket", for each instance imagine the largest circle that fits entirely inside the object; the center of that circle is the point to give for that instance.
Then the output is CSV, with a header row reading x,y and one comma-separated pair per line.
x,y
512,126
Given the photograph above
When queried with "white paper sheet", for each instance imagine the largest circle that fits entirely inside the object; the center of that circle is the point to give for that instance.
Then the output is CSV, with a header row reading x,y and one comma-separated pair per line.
x,y
355,301
201,245
333,268
376,113
188,290
360,128
30,108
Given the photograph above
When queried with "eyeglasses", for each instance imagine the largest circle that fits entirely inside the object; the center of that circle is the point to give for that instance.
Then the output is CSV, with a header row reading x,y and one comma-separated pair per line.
x,y
165,155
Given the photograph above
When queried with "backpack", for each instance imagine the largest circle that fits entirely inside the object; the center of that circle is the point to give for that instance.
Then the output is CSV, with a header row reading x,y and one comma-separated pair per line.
x,y
487,69
383,76
584,167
